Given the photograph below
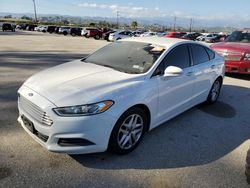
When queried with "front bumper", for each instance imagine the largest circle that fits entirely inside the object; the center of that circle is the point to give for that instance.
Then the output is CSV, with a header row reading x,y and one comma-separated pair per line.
x,y
241,67
95,130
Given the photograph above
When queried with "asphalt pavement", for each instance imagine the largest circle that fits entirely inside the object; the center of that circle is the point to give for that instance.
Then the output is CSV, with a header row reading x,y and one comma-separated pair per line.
x,y
203,147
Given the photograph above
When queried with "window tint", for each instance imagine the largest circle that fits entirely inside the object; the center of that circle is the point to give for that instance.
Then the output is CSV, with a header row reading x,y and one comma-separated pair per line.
x,y
210,53
128,57
178,57
199,54
159,70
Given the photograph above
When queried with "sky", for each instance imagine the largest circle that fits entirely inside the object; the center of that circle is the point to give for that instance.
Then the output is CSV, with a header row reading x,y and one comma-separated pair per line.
x,y
232,12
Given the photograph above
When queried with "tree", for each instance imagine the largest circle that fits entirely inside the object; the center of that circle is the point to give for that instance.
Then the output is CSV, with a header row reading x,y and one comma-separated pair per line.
x,y
8,16
26,17
65,22
134,24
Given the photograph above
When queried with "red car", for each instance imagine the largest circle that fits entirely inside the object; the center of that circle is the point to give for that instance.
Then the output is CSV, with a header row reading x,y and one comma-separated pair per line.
x,y
96,33
92,32
174,34
236,50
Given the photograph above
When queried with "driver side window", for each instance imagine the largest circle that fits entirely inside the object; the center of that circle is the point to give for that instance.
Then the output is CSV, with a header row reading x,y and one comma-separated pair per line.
x,y
178,57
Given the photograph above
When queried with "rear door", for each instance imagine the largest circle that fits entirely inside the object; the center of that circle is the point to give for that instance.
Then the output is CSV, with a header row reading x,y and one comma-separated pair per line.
x,y
204,70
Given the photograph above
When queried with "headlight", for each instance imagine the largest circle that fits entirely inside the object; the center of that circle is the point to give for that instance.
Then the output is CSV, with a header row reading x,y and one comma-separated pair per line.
x,y
247,57
84,110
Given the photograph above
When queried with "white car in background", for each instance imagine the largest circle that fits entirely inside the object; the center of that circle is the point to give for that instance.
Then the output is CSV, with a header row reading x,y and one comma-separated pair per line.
x,y
112,97
137,33
202,37
211,37
41,28
149,34
120,35
65,30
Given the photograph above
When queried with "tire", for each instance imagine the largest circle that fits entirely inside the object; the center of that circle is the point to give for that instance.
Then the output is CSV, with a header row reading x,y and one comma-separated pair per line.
x,y
118,39
65,33
125,137
97,37
214,91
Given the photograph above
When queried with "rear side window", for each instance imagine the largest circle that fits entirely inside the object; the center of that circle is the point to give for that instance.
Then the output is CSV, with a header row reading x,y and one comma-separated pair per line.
x,y
199,53
178,57
211,54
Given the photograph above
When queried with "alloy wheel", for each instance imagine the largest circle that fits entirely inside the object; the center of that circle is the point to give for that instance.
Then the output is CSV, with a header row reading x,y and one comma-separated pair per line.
x,y
215,90
130,131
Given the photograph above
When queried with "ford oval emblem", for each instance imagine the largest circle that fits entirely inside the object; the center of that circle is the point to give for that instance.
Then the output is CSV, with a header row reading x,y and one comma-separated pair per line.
x,y
30,94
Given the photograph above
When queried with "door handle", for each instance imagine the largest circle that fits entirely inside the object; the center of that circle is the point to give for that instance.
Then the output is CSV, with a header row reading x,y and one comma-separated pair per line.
x,y
189,73
212,66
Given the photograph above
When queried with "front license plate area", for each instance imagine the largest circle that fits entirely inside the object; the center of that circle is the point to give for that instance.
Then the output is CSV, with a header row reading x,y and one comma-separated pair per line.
x,y
28,124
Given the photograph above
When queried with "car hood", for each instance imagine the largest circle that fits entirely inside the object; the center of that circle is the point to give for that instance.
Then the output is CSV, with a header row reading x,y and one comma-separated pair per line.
x,y
232,46
77,83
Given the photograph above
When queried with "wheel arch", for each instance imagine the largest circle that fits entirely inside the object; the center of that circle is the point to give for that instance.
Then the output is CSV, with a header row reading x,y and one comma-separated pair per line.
x,y
220,78
146,110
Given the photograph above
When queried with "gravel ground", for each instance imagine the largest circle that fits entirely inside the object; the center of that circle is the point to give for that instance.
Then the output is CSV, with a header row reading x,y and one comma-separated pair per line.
x,y
203,147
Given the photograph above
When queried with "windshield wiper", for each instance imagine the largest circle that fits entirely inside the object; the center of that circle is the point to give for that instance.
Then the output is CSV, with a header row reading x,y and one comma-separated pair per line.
x,y
107,66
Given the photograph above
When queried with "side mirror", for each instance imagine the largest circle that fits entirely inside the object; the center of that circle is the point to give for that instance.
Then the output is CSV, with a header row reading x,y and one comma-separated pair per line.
x,y
172,71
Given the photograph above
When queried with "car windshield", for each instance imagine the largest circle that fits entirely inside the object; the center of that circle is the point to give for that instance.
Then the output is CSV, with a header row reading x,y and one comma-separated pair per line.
x,y
128,57
239,36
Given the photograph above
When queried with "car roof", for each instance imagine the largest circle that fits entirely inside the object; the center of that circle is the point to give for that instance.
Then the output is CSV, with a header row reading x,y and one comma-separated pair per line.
x,y
161,41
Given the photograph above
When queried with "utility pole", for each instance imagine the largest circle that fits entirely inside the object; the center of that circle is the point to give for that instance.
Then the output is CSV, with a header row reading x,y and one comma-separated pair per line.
x,y
117,19
175,18
34,2
191,23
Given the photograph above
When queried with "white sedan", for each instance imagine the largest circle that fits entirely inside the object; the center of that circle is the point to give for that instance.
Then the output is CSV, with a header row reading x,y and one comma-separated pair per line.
x,y
111,98
118,35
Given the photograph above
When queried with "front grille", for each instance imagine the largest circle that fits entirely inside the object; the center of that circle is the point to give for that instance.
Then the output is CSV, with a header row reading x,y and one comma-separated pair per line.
x,y
35,111
230,55
30,126
232,58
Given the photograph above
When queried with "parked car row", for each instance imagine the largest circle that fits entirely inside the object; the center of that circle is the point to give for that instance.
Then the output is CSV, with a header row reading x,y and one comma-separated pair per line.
x,y
113,35
204,37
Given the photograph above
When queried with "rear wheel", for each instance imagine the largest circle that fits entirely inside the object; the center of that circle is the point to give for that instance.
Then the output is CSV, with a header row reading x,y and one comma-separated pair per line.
x,y
128,131
214,92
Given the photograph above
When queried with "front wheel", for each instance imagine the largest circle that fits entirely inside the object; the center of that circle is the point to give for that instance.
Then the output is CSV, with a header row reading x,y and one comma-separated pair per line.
x,y
97,37
128,131
214,92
